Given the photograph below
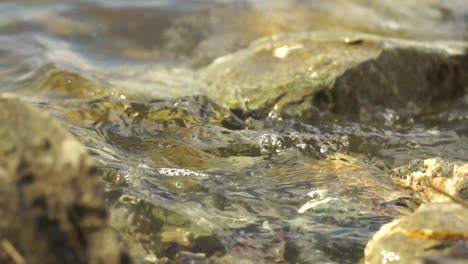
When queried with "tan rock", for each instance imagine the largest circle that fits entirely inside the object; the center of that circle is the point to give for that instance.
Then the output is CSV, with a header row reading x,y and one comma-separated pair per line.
x,y
433,230
418,175
51,201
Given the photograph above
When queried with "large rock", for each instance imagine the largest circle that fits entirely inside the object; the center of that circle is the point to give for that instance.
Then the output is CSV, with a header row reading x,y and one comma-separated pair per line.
x,y
347,72
434,230
51,201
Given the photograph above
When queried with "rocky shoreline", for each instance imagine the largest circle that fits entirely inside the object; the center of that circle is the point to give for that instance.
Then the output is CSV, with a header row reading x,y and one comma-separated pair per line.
x,y
54,203
314,143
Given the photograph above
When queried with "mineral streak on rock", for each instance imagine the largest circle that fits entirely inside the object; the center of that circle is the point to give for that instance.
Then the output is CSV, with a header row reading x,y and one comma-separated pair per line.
x,y
347,72
435,229
452,177
51,201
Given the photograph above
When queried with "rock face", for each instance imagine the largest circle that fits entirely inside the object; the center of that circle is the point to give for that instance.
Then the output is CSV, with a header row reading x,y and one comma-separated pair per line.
x,y
435,229
50,198
346,72
451,177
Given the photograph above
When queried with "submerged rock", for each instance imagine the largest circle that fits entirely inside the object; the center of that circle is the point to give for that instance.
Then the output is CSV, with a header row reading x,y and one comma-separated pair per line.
x,y
347,72
154,233
162,114
57,81
51,201
435,229
418,175
353,172
70,84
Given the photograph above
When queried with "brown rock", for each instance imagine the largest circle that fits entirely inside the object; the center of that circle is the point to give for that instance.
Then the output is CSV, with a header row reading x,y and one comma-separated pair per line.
x,y
51,201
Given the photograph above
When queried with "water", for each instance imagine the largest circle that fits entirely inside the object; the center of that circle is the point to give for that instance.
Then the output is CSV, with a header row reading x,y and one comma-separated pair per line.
x,y
183,174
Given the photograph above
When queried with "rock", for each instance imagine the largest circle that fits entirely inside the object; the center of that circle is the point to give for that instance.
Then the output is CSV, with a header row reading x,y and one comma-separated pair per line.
x,y
180,113
347,72
452,177
51,200
155,233
69,84
354,173
433,230
457,255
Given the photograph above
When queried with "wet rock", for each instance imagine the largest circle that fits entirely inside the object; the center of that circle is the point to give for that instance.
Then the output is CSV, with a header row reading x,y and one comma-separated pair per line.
x,y
70,84
61,81
155,233
457,255
353,172
51,201
452,177
184,112
350,73
435,229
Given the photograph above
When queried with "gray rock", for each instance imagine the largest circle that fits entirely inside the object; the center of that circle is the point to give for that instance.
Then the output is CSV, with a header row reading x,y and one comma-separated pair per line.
x,y
51,200
347,72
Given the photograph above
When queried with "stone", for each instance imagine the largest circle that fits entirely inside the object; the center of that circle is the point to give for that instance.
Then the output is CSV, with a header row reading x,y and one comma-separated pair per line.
x,y
51,200
70,84
348,73
435,229
457,255
152,232
452,177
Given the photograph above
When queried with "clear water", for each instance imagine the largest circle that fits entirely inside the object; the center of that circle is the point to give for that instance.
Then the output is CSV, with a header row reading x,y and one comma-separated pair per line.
x,y
121,75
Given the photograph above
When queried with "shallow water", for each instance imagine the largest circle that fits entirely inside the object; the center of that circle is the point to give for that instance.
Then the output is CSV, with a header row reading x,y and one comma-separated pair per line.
x,y
184,174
